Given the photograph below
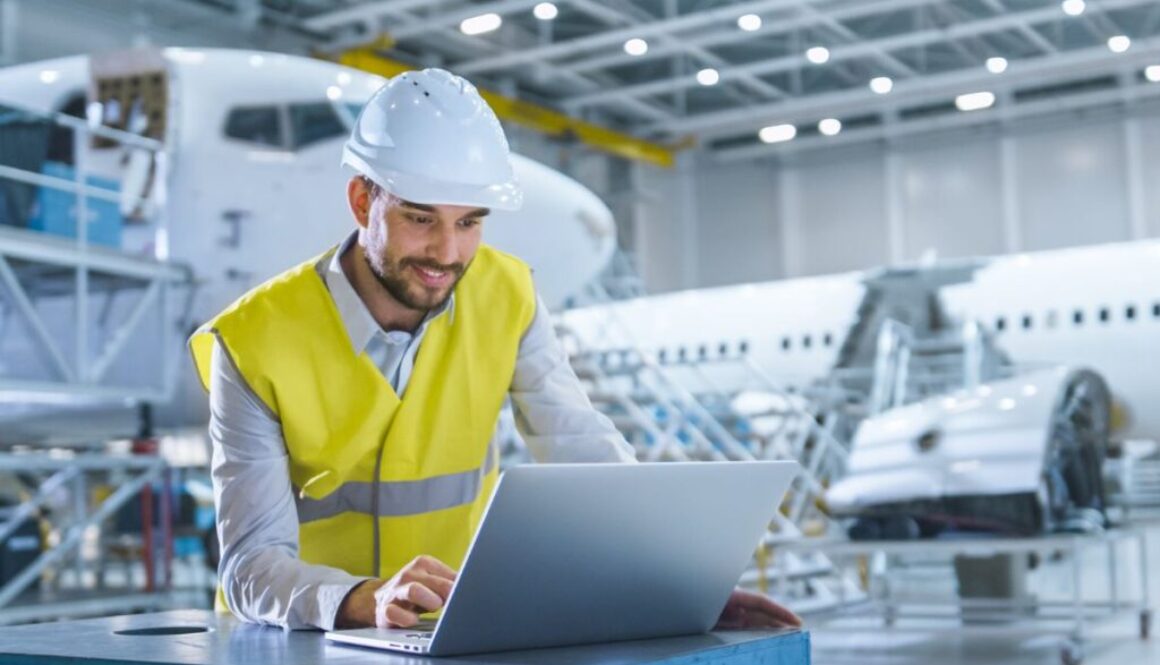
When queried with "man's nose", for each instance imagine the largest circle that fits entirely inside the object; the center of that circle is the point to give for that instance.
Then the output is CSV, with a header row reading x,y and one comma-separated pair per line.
x,y
443,248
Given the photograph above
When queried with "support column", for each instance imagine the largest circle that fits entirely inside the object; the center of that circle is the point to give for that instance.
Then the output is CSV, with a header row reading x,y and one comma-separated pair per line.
x,y
895,222
1009,185
790,219
1134,170
9,18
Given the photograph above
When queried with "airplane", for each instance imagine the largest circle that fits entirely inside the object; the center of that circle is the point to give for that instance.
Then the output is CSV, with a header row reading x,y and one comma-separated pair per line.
x,y
1016,449
252,186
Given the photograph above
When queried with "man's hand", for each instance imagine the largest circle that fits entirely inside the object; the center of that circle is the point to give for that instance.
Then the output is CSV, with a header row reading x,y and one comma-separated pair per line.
x,y
421,586
747,609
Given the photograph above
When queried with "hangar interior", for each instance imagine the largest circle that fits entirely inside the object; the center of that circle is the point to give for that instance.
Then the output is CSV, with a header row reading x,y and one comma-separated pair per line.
x,y
910,244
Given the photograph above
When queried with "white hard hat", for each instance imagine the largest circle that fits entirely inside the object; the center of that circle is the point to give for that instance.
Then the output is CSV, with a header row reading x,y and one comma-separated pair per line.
x,y
428,137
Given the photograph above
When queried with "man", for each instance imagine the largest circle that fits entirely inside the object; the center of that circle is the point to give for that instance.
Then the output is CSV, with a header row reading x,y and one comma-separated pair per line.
x,y
354,398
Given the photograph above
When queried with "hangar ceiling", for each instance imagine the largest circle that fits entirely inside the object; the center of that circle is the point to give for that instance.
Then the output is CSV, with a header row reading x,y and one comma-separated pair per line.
x,y
721,71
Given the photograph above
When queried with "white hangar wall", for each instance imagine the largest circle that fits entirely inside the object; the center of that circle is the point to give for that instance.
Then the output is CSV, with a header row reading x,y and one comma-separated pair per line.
x,y
1047,184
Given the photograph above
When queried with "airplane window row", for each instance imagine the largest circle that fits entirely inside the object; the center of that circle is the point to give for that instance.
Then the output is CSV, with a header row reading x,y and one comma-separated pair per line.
x,y
1078,317
807,342
289,127
702,352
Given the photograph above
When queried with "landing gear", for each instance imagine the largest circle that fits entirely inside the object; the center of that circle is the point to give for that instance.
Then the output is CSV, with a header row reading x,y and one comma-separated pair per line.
x,y
1071,494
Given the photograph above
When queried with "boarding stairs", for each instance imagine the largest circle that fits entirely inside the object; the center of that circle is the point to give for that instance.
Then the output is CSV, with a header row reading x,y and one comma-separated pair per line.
x,y
676,411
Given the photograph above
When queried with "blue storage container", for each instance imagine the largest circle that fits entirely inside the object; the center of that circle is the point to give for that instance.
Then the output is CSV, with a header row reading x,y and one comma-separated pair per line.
x,y
55,211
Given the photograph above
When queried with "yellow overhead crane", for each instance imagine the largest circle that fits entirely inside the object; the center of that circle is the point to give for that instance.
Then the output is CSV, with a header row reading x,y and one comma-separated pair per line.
x,y
553,123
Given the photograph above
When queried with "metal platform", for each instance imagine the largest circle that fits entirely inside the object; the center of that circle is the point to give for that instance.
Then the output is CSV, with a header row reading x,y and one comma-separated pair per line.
x,y
1069,616
201,637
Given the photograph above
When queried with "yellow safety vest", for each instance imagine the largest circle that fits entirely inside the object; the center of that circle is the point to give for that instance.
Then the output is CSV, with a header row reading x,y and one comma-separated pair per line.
x,y
341,419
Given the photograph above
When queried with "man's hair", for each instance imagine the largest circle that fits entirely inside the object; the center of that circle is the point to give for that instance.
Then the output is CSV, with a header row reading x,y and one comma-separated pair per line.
x,y
373,187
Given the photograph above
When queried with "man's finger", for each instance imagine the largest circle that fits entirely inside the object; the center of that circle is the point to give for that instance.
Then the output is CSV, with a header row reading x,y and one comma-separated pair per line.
x,y
397,617
434,566
420,596
758,606
436,583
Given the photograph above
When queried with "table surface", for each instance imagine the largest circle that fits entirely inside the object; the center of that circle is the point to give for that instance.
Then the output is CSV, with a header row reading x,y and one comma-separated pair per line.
x,y
227,640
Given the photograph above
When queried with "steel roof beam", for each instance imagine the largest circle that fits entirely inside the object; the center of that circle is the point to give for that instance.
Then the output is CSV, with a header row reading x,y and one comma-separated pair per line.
x,y
1060,68
731,36
601,40
838,54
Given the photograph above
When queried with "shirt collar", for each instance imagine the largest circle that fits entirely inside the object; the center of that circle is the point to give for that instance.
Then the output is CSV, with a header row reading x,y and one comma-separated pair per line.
x,y
360,325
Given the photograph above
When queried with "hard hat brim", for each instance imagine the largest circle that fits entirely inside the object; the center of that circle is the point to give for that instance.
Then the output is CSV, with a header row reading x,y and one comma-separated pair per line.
x,y
500,196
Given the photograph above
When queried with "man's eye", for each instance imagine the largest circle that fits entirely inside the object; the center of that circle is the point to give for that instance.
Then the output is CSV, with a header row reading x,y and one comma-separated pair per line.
x,y
422,219
468,223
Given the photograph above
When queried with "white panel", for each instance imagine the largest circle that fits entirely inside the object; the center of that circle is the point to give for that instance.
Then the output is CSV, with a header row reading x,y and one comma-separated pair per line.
x,y
1150,152
843,215
738,234
659,234
952,200
1072,186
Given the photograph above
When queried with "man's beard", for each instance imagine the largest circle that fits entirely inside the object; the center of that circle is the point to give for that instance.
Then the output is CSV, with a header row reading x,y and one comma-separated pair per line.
x,y
392,276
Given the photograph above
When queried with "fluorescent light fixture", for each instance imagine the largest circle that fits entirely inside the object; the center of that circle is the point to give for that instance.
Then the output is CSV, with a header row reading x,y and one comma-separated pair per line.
x,y
749,22
1119,43
777,133
1152,73
819,55
1006,404
636,46
882,84
975,101
334,93
708,76
545,11
343,78
1073,7
49,76
996,65
477,25
830,126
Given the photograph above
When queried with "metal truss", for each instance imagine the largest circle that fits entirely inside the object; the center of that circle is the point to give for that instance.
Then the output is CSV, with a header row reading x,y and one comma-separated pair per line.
x,y
934,49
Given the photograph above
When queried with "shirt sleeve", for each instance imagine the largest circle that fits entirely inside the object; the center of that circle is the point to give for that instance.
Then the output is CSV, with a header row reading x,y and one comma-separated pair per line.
x,y
262,578
552,412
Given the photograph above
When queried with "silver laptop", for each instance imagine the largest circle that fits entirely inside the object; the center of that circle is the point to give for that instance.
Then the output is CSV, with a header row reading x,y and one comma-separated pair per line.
x,y
582,553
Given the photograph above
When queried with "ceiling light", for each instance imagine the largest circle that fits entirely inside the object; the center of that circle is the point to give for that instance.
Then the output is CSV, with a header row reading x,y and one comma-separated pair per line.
x,y
708,76
545,11
777,133
830,126
1119,43
975,101
636,46
996,65
343,78
819,55
1152,73
334,93
257,60
1073,7
749,22
477,25
48,76
881,84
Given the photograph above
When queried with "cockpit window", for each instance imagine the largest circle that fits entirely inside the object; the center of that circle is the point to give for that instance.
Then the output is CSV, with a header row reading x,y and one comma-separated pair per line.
x,y
311,123
256,124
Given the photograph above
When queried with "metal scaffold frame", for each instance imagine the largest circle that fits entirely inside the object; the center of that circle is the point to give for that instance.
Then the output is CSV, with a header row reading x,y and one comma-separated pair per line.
x,y
84,371
1070,618
136,475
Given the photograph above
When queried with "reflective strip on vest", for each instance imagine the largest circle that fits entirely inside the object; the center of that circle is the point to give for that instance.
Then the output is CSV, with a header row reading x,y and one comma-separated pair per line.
x,y
398,498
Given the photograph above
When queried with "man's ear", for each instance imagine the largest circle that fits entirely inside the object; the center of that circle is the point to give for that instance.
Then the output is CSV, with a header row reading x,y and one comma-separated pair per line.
x,y
358,197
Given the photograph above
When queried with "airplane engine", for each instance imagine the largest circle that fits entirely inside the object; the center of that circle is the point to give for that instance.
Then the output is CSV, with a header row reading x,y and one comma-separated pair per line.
x,y
1018,456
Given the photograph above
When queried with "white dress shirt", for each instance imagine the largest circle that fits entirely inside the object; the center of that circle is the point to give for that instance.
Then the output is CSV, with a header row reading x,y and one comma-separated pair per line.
x,y
263,579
